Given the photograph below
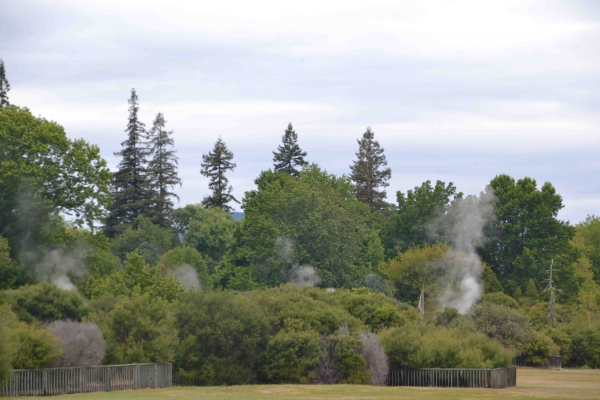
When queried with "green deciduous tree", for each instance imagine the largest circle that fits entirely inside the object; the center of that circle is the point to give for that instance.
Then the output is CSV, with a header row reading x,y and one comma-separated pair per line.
x,y
131,191
150,240
43,173
289,157
369,173
313,220
12,274
410,224
526,235
215,165
162,171
4,86
181,256
587,238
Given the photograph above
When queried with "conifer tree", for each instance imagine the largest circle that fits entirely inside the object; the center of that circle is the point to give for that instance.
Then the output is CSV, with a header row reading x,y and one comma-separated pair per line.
x,y
4,86
369,173
214,166
130,189
162,171
289,156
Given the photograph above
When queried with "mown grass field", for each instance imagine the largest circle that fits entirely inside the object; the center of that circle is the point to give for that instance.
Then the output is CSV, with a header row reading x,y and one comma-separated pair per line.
x,y
531,384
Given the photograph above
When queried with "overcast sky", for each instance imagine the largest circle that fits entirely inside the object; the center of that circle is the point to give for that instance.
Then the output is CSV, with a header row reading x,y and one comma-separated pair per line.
x,y
455,90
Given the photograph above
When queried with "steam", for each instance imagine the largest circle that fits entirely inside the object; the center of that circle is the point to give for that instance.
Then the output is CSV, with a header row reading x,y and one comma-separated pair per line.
x,y
56,265
188,277
304,275
285,248
466,219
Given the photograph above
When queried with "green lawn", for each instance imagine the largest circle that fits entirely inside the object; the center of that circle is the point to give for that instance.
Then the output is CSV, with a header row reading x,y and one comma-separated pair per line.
x,y
531,383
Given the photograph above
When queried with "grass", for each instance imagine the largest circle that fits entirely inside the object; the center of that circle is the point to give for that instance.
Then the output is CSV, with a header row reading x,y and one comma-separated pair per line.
x,y
531,384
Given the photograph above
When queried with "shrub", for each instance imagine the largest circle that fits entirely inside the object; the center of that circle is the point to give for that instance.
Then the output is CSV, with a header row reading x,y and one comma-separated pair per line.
x,y
291,357
585,345
374,354
539,347
6,348
45,302
81,343
150,240
349,363
222,336
508,326
181,256
34,347
500,299
138,330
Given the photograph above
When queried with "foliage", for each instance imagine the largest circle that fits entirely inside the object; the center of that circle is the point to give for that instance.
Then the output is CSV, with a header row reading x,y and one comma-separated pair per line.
x,y
289,157
539,348
584,344
43,173
131,191
526,235
215,165
447,317
138,330
12,273
351,366
4,86
81,343
181,256
150,240
222,336
44,302
162,171
416,268
209,231
313,220
409,224
369,173
291,357
35,347
500,299
531,290
510,327
411,347
6,347
491,284
587,238
136,278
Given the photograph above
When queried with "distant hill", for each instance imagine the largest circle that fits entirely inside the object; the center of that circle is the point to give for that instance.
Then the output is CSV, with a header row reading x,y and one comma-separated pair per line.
x,y
237,215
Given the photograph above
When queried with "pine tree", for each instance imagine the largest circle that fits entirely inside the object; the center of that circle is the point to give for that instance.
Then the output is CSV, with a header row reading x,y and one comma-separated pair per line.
x,y
130,187
214,166
289,155
162,171
4,86
369,174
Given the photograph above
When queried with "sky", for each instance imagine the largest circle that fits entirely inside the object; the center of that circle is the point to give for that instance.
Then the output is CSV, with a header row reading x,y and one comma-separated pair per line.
x,y
455,90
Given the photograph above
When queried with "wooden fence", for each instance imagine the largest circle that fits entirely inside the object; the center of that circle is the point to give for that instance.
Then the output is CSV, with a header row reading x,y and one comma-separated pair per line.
x,y
35,382
554,362
497,378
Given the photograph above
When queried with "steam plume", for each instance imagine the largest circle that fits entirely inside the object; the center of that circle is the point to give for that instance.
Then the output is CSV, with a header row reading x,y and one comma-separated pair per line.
x,y
304,275
187,275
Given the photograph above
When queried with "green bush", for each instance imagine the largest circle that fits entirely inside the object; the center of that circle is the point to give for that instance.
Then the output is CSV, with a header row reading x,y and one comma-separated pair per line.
x,y
222,336
6,347
500,299
45,302
150,240
35,347
585,345
291,357
349,363
539,347
510,327
138,330
180,256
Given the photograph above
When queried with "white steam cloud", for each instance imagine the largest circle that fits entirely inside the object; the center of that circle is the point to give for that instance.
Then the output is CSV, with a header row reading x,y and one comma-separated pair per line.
x,y
56,265
467,220
188,276
304,275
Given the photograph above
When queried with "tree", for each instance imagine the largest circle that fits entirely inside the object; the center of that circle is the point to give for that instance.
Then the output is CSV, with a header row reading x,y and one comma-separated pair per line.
x,y
81,343
291,357
587,238
4,86
526,235
131,190
187,256
162,171
313,220
409,224
215,165
209,231
44,174
289,157
150,240
6,346
369,173
12,274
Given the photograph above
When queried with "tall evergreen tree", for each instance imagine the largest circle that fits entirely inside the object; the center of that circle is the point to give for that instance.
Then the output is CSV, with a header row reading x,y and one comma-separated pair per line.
x,y
162,170
369,173
4,86
214,166
289,156
130,187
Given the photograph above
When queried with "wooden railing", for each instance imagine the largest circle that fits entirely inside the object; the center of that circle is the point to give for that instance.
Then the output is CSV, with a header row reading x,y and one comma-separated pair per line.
x,y
496,378
35,382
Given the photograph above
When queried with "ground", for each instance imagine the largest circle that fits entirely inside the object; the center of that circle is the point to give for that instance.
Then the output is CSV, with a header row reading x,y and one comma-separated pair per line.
x,y
531,384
